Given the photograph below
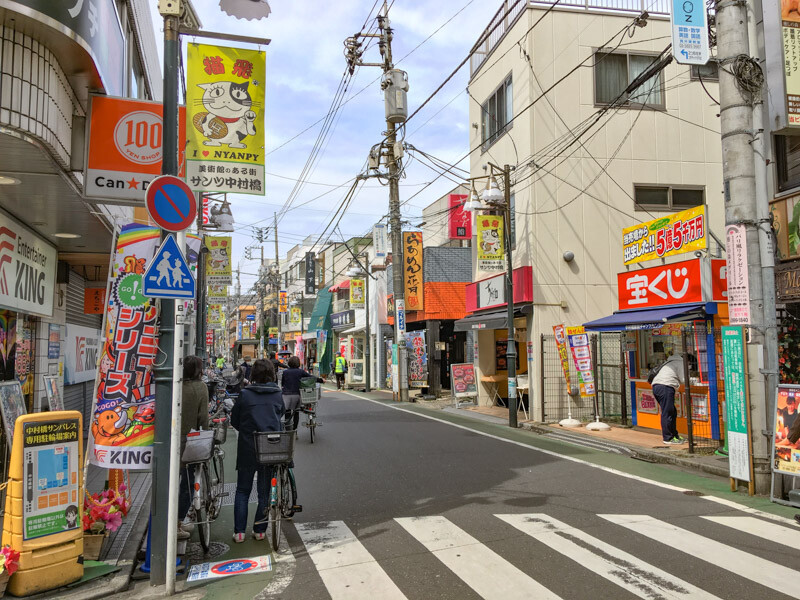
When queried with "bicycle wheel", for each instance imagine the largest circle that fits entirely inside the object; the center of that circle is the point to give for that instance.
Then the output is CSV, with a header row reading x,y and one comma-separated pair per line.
x,y
275,513
312,425
288,494
217,482
201,513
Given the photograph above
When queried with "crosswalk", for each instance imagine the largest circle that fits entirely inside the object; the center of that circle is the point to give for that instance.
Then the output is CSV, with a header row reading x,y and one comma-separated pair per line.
x,y
349,571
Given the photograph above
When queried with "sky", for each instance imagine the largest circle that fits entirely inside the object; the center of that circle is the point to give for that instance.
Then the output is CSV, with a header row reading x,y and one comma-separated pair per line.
x,y
305,63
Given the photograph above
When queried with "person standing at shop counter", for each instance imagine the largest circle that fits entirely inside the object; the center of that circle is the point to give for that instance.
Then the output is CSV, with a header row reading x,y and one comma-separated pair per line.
x,y
666,383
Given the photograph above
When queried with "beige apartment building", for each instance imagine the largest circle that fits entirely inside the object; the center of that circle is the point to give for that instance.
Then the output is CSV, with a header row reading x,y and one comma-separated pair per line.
x,y
548,97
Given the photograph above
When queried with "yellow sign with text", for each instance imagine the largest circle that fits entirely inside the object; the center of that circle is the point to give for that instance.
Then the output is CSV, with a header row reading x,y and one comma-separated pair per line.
x,y
674,234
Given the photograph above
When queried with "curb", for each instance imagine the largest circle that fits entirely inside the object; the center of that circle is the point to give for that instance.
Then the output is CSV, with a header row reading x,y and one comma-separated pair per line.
x,y
649,455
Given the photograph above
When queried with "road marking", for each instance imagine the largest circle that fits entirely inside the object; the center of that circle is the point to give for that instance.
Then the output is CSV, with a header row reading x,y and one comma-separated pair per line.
x,y
346,567
619,567
488,574
767,573
774,533
666,486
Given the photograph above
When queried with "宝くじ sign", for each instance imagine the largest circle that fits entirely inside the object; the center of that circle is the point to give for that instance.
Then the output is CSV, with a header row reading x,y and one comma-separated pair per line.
x,y
674,234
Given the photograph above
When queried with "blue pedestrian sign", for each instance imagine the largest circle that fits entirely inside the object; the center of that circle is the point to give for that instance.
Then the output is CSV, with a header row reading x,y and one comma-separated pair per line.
x,y
168,275
690,32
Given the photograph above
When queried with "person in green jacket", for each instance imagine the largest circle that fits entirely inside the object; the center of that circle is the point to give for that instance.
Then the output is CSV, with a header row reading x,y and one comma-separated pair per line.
x,y
339,369
220,363
194,415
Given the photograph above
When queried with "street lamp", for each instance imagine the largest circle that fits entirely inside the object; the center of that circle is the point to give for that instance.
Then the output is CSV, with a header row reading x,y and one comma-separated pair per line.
x,y
495,199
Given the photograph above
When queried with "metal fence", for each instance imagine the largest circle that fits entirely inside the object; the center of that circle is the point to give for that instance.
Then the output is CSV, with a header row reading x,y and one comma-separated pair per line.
x,y
559,402
611,376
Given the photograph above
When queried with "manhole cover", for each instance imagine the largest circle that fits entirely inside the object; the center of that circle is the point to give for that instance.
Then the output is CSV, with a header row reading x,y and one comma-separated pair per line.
x,y
194,551
693,493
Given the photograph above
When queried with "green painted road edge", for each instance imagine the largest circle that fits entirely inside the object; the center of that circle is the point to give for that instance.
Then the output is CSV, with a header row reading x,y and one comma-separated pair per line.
x,y
709,485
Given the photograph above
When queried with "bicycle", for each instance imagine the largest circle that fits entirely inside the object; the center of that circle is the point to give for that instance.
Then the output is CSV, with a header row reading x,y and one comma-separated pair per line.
x,y
309,396
204,457
276,449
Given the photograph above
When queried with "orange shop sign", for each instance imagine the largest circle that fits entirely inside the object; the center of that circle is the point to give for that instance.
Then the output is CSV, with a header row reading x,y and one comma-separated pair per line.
x,y
124,153
94,301
412,259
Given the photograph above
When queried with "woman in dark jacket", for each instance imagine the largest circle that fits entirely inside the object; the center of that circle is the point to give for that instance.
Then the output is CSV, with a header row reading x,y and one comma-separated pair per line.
x,y
291,392
194,415
259,408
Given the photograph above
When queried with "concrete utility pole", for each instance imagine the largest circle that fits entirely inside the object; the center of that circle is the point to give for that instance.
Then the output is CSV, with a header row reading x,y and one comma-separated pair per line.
x,y
511,343
741,208
277,276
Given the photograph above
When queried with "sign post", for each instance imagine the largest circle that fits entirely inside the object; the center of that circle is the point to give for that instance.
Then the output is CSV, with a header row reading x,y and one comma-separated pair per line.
x,y
737,407
689,32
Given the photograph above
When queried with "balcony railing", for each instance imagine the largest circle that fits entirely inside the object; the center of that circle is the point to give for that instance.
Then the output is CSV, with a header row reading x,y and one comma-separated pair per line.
x,y
515,8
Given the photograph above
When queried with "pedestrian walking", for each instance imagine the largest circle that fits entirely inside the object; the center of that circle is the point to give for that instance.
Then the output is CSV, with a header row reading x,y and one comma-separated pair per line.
x,y
339,369
291,392
194,415
666,383
259,408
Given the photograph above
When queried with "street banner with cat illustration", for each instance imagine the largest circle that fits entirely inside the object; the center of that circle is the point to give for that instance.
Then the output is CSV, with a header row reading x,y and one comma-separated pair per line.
x,y
218,260
225,119
491,249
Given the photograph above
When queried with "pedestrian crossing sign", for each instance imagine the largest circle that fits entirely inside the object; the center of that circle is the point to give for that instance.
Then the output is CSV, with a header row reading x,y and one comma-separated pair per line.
x,y
168,275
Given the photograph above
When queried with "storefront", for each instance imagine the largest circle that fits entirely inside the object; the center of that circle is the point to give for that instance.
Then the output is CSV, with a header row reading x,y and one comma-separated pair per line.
x,y
353,340
341,322
318,338
673,309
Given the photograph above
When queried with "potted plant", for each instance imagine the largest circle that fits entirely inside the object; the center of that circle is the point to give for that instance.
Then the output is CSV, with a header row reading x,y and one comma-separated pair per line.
x,y
102,513
9,563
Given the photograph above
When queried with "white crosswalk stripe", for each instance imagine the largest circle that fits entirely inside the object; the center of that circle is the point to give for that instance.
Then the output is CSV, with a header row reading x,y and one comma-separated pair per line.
x,y
744,564
763,529
619,567
488,574
346,567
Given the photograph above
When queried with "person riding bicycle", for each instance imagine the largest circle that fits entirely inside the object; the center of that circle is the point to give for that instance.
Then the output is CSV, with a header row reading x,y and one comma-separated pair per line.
x,y
259,408
291,392
194,415
339,369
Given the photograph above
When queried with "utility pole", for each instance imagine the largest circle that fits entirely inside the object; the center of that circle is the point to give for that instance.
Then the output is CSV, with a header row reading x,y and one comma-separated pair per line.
x,y
511,344
261,287
741,208
159,532
277,275
200,308
395,86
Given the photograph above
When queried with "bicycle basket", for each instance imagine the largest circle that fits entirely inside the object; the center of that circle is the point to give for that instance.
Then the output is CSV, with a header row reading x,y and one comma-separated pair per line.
x,y
308,396
199,447
274,448
308,383
220,432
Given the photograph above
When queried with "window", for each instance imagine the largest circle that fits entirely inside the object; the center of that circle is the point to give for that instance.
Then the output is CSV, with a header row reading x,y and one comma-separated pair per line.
x,y
496,113
667,197
787,158
613,72
706,72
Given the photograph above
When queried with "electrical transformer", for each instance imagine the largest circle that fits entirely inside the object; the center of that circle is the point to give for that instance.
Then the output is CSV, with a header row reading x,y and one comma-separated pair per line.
x,y
395,88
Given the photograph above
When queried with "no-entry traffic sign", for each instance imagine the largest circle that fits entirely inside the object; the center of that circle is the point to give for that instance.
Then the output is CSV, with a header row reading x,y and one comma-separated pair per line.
x,y
171,203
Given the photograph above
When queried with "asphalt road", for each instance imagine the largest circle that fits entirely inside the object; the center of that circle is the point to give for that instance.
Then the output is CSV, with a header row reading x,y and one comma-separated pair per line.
x,y
397,505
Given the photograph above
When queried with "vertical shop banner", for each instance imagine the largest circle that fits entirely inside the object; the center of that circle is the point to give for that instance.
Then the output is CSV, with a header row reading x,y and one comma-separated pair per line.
x,y
738,278
53,341
225,119
736,404
417,359
218,260
380,240
215,316
311,283
459,221
561,342
356,293
689,32
217,294
491,245
24,359
462,376
296,314
94,301
786,457
210,337
582,358
790,26
322,340
283,302
412,267
667,236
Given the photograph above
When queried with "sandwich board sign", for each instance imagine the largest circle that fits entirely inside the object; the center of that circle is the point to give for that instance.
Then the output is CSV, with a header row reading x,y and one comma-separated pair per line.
x,y
168,275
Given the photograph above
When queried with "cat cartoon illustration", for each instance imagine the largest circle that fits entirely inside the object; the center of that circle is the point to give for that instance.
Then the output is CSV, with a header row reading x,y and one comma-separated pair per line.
x,y
490,242
229,118
219,259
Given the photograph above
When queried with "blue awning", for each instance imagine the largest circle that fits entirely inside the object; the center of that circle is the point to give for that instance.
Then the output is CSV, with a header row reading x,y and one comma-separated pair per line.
x,y
650,318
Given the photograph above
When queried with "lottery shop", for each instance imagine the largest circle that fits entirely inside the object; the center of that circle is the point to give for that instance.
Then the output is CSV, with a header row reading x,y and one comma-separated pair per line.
x,y
677,308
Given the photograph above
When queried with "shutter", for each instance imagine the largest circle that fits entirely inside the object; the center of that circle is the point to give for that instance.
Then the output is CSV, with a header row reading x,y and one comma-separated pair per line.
x,y
75,313
79,397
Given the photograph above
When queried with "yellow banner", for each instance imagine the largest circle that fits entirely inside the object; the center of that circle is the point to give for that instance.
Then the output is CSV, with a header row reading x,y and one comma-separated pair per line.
x,y
283,302
491,249
216,315
296,314
561,341
356,293
225,119
273,332
217,293
412,257
674,234
218,260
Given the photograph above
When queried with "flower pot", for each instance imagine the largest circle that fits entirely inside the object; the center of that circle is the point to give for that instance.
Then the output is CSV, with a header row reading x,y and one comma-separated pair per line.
x,y
92,544
3,582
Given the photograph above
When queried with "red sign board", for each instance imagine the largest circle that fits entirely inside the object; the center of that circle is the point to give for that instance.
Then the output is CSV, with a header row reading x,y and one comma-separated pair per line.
x,y
719,280
210,337
94,301
491,292
459,221
665,285
171,203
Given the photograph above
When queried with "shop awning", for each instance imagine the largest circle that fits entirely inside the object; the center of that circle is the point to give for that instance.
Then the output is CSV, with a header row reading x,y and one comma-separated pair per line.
x,y
320,316
494,319
650,318
340,286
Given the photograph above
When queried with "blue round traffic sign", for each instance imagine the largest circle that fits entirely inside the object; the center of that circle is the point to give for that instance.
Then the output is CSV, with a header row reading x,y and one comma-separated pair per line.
x,y
234,567
171,203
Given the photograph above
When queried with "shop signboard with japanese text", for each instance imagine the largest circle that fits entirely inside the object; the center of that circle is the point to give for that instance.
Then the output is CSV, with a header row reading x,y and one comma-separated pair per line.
x,y
27,269
283,302
356,293
296,312
491,245
664,285
790,27
51,462
124,152
82,347
459,221
216,316
94,301
379,240
225,119
217,293
786,457
736,402
218,260
738,277
464,384
412,267
667,236
561,341
582,358
417,359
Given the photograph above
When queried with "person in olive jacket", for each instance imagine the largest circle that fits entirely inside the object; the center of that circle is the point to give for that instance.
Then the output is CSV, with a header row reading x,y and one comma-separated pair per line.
x,y
259,408
194,415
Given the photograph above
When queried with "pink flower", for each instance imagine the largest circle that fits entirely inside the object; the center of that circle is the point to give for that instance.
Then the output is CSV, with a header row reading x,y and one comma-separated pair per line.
x,y
114,521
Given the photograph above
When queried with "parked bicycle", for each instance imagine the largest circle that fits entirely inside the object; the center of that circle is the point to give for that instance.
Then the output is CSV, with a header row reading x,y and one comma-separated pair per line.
x,y
309,397
277,450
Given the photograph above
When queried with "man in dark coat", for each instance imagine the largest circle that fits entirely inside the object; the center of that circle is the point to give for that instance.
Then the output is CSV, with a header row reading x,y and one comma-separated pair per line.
x,y
259,408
